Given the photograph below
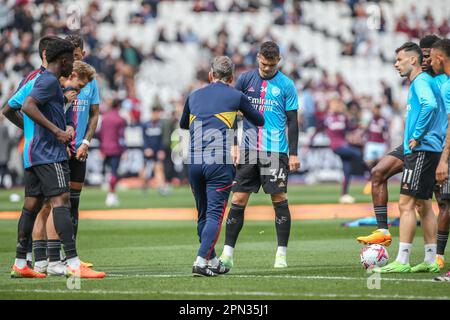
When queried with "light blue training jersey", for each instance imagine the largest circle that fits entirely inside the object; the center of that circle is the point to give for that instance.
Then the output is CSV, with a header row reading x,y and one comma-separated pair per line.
x,y
426,119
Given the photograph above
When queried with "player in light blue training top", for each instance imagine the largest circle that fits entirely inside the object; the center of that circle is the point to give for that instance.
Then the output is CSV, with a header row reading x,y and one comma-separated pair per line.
x,y
423,137
86,113
440,62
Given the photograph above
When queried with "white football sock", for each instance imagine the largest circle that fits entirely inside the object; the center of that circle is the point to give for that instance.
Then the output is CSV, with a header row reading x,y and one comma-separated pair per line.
x,y
74,263
213,262
228,251
404,251
41,264
201,262
20,263
385,231
281,251
29,256
430,253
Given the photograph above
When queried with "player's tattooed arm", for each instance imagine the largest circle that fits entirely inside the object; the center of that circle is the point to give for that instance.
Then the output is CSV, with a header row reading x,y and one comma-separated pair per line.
x,y
12,115
31,109
442,169
92,126
93,121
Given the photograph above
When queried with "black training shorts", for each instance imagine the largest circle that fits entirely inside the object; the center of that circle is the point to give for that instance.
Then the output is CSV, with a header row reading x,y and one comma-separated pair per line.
x,y
47,180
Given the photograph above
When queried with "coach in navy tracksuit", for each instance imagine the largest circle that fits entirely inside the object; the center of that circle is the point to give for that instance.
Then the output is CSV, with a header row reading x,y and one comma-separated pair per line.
x,y
210,116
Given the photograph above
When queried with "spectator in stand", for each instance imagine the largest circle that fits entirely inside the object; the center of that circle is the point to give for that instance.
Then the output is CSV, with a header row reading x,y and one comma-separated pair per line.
x,y
348,49
154,6
162,35
211,6
444,28
131,55
112,145
235,7
309,106
109,17
402,24
249,36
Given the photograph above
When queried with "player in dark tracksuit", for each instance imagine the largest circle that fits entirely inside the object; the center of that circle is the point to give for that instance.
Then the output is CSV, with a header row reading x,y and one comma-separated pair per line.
x,y
210,116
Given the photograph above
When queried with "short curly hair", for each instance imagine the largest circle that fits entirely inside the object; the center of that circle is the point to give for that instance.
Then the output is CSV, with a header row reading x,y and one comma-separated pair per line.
x,y
270,50
43,43
57,48
76,40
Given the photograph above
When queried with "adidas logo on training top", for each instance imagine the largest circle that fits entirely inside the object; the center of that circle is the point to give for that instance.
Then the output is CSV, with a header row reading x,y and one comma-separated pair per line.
x,y
251,89
405,186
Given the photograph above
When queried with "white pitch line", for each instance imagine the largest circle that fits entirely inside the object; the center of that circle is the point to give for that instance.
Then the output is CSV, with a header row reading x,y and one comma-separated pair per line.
x,y
234,293
270,277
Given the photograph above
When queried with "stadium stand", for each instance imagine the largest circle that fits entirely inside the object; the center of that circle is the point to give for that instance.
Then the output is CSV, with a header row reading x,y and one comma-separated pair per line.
x,y
151,51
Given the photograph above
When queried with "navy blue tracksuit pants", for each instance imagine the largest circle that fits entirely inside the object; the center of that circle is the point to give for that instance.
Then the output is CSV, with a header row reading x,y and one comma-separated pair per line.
x,y
211,185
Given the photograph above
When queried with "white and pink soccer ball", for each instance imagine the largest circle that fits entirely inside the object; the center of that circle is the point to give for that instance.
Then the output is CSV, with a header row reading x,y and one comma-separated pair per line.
x,y
373,255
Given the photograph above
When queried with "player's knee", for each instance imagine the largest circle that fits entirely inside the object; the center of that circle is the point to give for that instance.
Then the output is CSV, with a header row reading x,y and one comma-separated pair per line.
x,y
32,204
240,199
444,206
406,206
378,174
62,200
278,197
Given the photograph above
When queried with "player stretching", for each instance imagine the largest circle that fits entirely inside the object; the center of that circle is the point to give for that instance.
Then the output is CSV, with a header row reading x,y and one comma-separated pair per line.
x,y
392,164
210,112
440,61
423,140
47,172
266,160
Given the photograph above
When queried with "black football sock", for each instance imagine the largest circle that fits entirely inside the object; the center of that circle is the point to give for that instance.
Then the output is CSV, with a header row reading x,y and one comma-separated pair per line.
x,y
25,228
64,228
74,212
381,215
282,222
40,250
53,250
442,238
235,221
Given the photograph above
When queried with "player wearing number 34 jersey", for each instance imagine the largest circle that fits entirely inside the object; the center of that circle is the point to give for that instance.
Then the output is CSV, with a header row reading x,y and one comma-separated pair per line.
x,y
267,154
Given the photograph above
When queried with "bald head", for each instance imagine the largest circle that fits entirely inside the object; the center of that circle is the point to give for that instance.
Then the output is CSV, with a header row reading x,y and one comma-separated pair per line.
x,y
222,69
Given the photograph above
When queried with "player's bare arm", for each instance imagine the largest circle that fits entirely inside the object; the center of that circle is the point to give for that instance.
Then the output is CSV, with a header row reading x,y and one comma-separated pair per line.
x,y
442,169
92,126
13,115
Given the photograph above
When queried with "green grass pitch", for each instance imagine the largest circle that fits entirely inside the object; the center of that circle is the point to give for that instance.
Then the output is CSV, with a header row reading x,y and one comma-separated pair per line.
x,y
181,197
153,259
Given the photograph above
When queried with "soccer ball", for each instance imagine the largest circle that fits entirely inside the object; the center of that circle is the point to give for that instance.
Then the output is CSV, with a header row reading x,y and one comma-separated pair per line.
x,y
373,255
